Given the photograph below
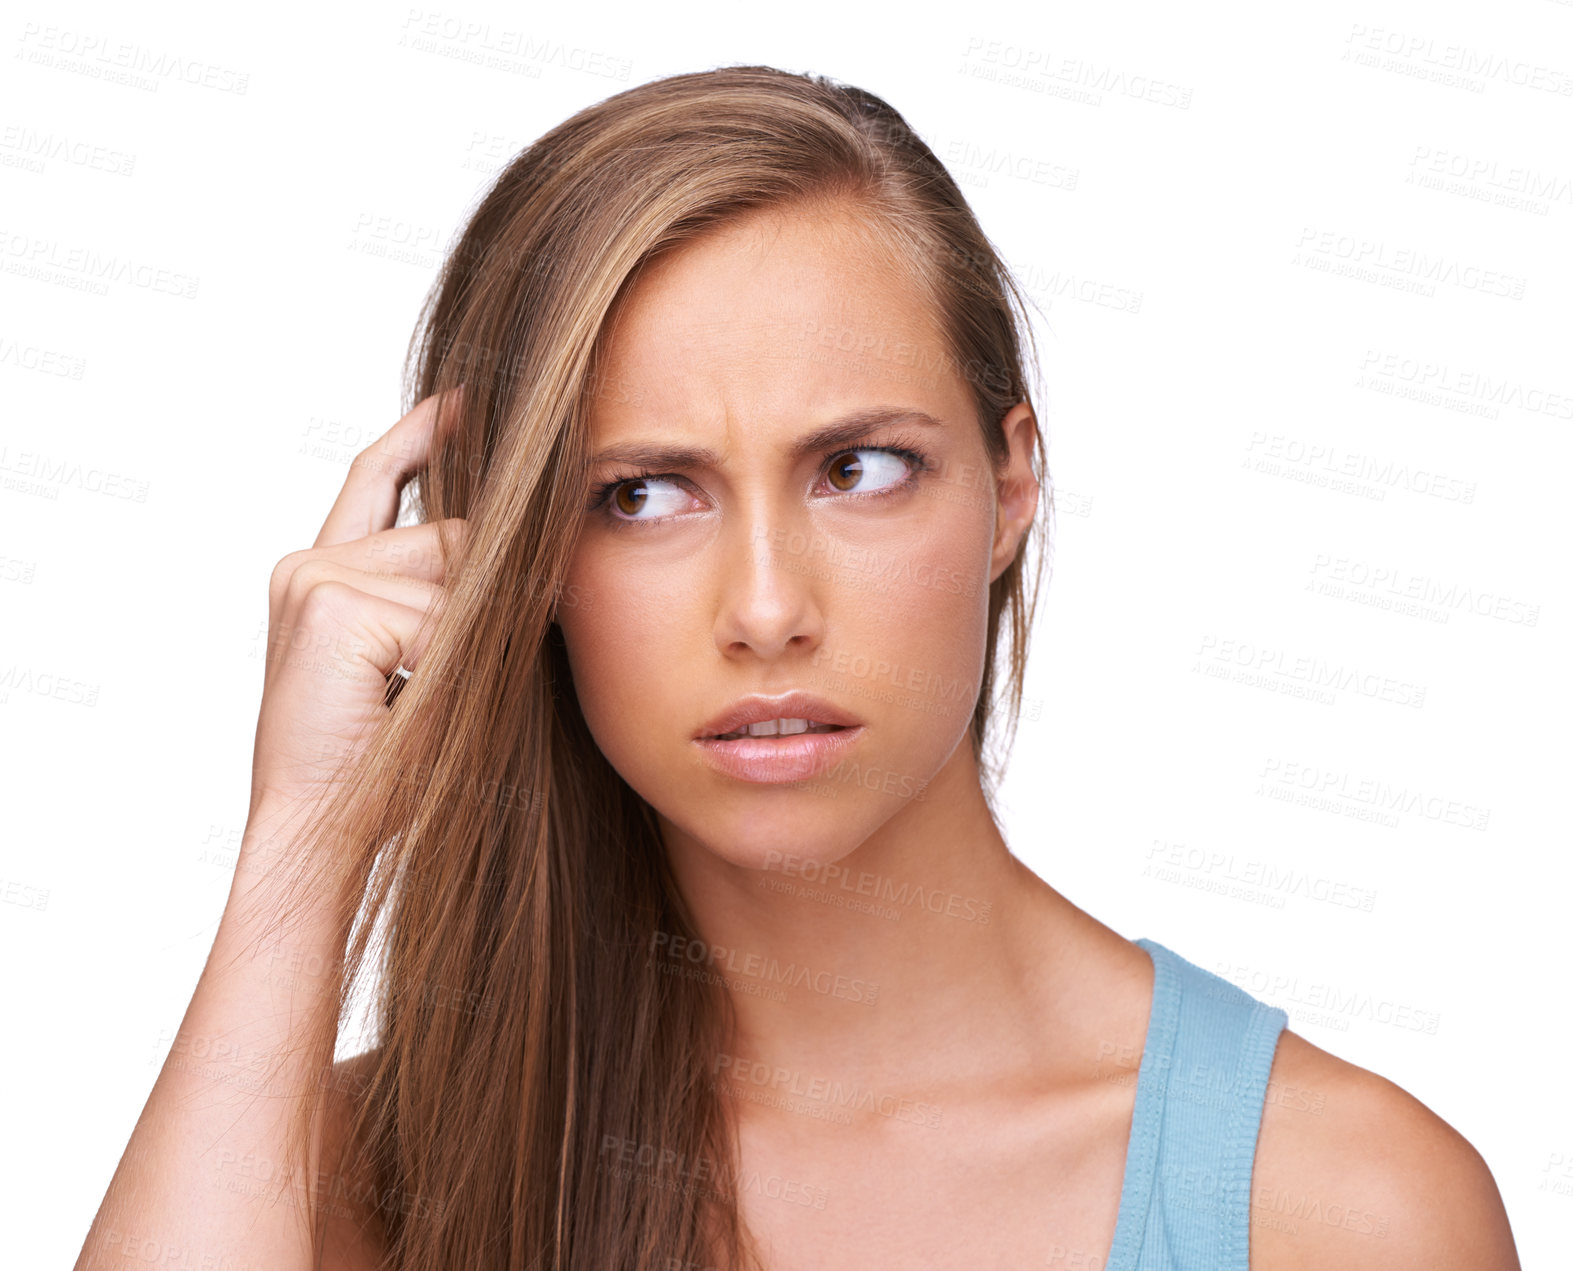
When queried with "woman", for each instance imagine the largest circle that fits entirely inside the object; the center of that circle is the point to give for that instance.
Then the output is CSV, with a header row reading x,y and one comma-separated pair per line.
x,y
699,944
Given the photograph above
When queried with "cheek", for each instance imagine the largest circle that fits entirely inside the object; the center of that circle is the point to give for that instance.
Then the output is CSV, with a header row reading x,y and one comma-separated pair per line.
x,y
912,627
622,646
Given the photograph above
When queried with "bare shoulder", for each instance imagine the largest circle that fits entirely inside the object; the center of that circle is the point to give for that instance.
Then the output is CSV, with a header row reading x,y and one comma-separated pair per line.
x,y
354,1237
1354,1172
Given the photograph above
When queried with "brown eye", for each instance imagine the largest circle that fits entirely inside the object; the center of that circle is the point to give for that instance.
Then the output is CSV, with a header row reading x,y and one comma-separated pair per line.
x,y
882,471
640,500
625,495
851,470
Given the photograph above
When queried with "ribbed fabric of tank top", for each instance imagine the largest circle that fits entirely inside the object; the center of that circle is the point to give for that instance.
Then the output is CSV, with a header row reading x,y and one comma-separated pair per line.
x,y
1185,1200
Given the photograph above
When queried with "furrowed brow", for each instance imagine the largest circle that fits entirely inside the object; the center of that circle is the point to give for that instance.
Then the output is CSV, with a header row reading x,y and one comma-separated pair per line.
x,y
840,432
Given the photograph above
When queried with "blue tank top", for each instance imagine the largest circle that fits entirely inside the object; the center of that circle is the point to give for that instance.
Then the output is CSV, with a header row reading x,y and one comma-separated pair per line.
x,y
1185,1202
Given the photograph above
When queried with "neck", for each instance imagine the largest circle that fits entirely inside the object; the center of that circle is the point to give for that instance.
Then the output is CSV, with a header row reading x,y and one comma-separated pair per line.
x,y
894,967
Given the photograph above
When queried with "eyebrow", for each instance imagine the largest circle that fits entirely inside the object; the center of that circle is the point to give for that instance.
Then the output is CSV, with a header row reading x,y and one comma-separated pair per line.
x,y
839,432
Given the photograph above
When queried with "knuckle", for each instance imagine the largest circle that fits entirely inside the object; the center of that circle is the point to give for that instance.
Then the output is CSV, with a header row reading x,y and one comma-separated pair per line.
x,y
310,574
283,571
321,596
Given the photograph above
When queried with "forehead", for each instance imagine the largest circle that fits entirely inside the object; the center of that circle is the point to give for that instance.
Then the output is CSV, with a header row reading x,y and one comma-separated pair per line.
x,y
767,321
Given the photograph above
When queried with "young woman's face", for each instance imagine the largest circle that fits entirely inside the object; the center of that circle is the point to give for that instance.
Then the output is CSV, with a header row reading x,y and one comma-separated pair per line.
x,y
752,565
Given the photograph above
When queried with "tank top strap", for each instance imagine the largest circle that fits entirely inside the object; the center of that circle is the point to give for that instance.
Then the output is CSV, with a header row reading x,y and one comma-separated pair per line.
x,y
1185,1201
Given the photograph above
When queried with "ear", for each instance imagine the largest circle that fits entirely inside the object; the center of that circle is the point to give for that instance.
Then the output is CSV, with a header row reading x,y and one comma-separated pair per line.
x,y
1015,488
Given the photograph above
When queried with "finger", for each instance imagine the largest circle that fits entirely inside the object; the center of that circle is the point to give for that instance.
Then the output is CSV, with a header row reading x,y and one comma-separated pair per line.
x,y
417,550
407,589
369,499
329,606
347,634
408,562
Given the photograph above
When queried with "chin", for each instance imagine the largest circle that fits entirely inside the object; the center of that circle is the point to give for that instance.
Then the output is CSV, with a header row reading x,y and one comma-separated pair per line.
x,y
795,833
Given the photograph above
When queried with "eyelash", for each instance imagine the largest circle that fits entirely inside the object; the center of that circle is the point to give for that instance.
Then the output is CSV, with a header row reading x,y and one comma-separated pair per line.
x,y
904,447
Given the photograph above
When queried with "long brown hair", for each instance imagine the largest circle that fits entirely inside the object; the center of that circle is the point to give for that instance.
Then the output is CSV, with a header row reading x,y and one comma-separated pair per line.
x,y
539,1095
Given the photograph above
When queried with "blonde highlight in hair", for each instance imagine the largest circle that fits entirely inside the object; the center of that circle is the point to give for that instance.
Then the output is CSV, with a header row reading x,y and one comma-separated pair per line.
x,y
504,858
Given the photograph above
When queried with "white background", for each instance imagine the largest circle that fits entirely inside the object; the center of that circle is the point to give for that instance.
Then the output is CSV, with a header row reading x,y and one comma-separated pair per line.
x,y
1215,360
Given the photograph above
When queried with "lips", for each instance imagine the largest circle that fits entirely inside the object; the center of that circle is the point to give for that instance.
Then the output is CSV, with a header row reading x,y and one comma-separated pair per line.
x,y
776,760
757,708
778,728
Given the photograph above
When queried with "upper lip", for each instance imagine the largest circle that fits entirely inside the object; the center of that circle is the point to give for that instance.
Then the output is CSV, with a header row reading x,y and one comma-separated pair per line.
x,y
756,708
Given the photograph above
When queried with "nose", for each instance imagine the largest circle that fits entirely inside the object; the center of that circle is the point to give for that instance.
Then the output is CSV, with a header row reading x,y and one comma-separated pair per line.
x,y
769,594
